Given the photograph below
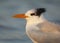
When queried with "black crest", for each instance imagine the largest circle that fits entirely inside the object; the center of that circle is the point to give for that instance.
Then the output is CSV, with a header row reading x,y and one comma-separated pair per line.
x,y
40,11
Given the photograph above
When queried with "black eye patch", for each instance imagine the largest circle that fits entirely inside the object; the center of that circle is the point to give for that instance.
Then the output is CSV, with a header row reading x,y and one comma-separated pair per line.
x,y
40,11
32,14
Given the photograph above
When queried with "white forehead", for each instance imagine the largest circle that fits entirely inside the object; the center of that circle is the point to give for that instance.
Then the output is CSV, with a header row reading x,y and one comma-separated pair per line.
x,y
30,11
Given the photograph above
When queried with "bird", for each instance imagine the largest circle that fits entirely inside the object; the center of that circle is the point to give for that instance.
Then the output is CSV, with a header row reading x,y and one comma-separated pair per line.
x,y
38,28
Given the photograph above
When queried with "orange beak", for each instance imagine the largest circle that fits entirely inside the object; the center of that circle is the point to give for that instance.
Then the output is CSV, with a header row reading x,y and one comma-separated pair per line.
x,y
20,16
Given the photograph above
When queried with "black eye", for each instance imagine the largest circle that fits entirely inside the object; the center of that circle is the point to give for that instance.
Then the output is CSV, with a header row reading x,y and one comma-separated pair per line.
x,y
32,14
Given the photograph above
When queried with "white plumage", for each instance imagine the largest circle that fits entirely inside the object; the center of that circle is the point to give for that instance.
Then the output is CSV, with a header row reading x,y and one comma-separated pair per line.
x,y
40,30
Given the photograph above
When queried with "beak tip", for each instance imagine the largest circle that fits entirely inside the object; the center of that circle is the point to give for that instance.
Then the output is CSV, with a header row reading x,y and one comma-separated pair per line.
x,y
13,16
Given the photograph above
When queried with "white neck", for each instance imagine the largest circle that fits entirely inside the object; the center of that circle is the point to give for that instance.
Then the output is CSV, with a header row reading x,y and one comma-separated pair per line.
x,y
35,20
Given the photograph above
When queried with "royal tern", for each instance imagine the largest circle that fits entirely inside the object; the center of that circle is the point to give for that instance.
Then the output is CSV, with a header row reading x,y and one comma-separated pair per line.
x,y
39,29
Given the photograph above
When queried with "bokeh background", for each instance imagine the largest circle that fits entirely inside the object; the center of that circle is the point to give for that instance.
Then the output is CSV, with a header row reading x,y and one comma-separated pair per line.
x,y
13,30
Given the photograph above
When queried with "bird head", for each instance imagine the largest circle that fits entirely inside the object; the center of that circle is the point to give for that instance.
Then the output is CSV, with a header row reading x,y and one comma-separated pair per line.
x,y
31,14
